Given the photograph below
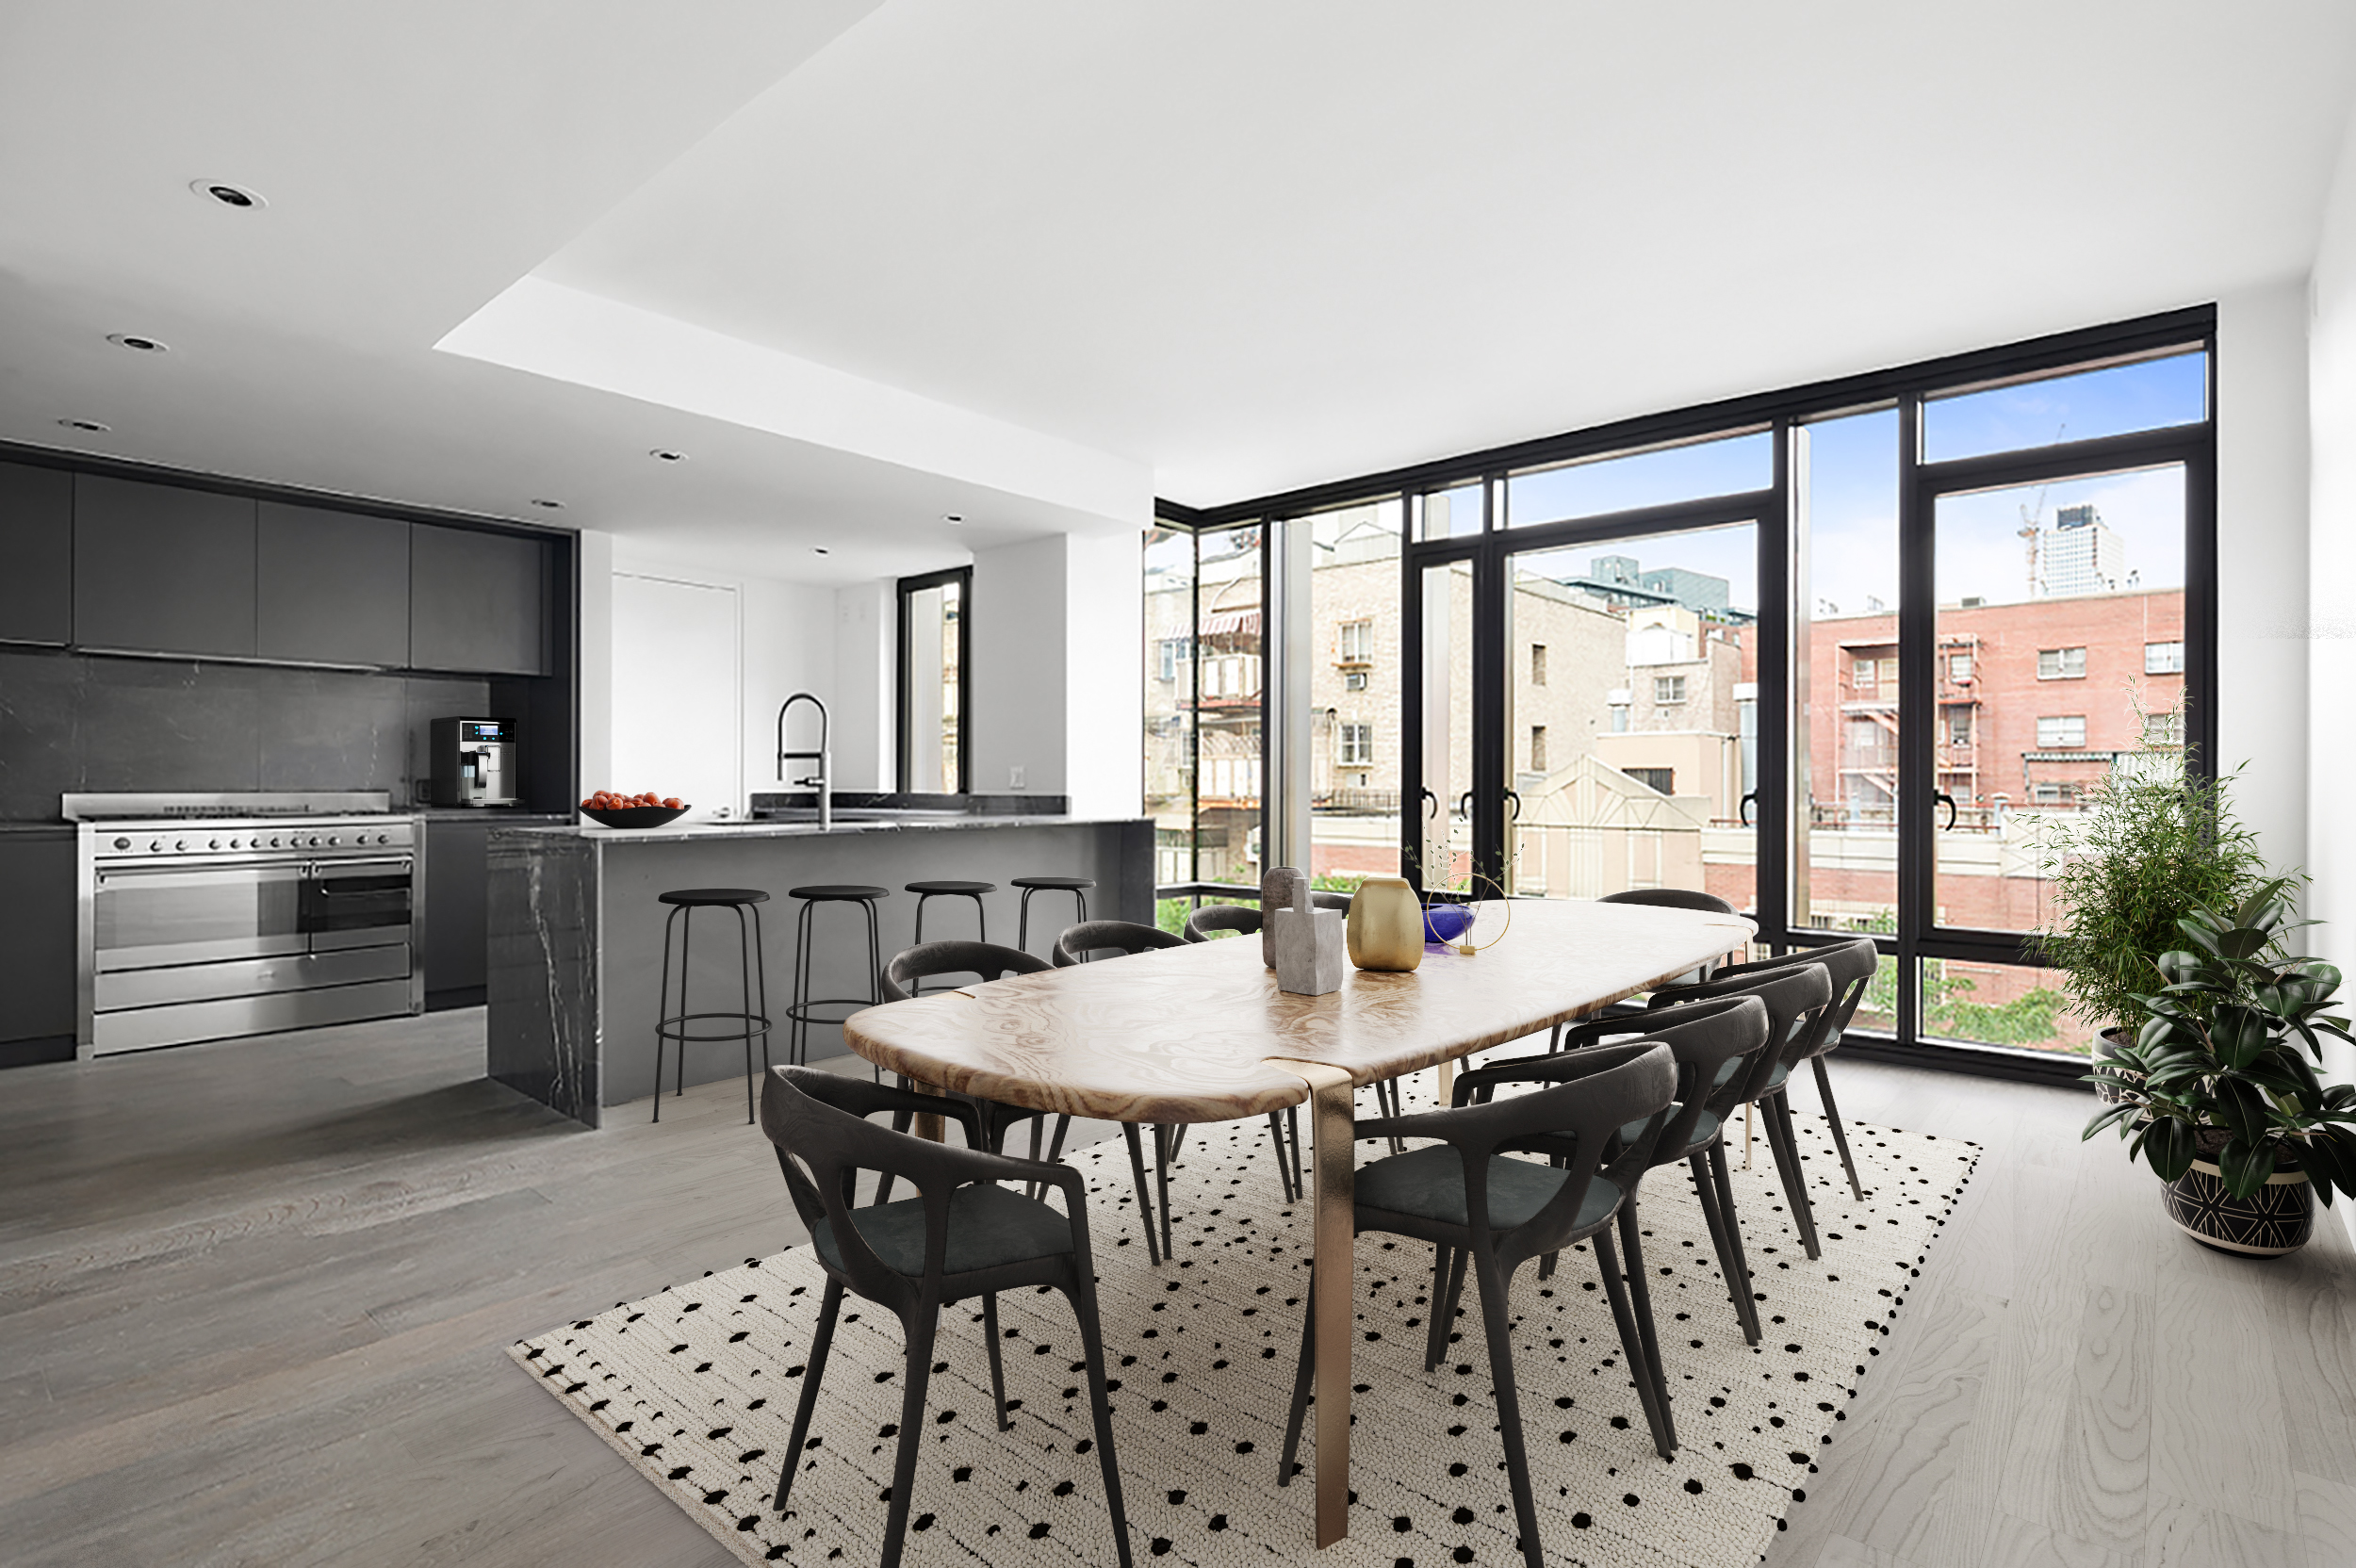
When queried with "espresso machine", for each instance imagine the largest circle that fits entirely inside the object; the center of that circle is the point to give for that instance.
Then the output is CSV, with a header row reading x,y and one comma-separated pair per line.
x,y
475,762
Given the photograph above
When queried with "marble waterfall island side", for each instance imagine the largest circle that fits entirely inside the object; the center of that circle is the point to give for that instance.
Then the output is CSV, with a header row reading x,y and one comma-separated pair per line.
x,y
576,932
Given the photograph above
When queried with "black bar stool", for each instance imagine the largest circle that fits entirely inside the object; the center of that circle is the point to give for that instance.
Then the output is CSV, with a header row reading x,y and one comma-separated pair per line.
x,y
805,928
1076,886
750,1024
973,891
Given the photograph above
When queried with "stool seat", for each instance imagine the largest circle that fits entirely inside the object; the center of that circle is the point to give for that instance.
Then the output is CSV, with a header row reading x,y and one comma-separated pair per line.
x,y
698,898
966,889
839,892
1056,884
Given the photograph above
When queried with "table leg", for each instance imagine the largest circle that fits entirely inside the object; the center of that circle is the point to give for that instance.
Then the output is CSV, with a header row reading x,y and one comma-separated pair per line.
x,y
1447,1083
1331,1117
928,1123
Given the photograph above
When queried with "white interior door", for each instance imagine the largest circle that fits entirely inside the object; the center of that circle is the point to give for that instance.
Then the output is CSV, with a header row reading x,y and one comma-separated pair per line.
x,y
677,693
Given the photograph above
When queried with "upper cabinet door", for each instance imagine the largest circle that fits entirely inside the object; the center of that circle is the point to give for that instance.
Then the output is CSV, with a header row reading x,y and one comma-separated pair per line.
x,y
159,569
332,587
475,601
36,554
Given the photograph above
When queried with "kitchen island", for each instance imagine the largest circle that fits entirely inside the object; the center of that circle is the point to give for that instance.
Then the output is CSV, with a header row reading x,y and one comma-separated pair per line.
x,y
576,931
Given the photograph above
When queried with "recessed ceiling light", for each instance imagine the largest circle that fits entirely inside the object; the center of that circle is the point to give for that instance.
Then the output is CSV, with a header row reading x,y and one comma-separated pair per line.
x,y
953,516
228,195
86,424
135,341
664,454
819,549
552,506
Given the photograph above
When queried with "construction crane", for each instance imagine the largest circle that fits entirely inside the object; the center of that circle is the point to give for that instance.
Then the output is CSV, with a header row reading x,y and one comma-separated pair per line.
x,y
2031,529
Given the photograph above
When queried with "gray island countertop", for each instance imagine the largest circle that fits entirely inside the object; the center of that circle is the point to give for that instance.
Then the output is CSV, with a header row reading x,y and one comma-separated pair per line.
x,y
577,926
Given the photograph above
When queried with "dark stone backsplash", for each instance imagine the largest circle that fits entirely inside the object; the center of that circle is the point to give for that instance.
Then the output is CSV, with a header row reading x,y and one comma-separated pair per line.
x,y
71,722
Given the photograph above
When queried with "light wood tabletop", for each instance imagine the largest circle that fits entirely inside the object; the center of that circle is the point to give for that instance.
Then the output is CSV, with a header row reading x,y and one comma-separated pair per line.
x,y
1202,1033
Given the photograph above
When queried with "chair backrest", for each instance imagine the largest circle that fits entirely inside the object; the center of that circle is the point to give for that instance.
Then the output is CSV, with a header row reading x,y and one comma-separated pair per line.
x,y
1325,898
1850,965
1703,1036
987,959
817,1122
1671,898
1614,1086
1795,995
1221,917
1093,936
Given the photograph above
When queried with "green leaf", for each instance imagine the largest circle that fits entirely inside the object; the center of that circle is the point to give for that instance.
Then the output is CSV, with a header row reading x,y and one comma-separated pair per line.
x,y
2244,1167
2178,967
2239,1034
2168,1145
2108,1114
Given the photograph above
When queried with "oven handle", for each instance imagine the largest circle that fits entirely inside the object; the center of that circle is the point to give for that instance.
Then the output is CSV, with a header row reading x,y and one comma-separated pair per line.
x,y
321,870
276,871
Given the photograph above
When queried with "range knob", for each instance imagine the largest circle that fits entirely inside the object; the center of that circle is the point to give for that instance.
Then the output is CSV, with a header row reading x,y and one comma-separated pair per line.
x,y
216,844
235,844
123,844
335,840
274,841
179,843
155,844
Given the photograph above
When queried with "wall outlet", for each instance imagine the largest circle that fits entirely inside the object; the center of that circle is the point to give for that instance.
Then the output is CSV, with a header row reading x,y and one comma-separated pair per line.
x,y
1014,779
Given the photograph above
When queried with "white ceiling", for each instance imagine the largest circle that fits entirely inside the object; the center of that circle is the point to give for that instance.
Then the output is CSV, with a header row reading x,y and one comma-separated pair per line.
x,y
1243,247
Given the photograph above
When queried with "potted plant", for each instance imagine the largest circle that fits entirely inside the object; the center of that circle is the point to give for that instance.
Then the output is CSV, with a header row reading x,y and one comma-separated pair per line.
x,y
2150,844
2217,1091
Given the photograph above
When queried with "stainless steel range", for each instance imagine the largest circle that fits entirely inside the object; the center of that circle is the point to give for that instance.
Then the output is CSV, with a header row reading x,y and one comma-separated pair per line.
x,y
205,916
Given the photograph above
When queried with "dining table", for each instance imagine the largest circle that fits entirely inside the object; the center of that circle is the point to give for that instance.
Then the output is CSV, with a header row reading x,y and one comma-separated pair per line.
x,y
1203,1033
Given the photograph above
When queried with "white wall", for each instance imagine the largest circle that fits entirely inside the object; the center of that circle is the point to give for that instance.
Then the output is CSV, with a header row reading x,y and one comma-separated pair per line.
x,y
596,660
2330,568
1021,640
1104,712
2262,559
787,643
1058,632
863,699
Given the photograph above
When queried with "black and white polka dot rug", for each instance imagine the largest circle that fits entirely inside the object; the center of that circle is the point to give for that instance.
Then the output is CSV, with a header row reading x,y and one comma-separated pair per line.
x,y
696,1385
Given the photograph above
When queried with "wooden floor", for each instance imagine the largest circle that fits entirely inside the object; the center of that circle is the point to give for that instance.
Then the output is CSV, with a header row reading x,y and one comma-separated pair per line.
x,y
253,1301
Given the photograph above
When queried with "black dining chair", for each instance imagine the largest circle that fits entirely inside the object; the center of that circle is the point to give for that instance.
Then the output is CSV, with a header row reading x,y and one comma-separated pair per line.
x,y
1222,917
962,1235
1707,1039
1075,946
1799,997
1676,898
1466,1194
988,961
1850,966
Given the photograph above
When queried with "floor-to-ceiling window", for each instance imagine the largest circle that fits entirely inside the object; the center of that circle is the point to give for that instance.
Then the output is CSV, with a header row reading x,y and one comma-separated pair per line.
x,y
1849,657
1204,674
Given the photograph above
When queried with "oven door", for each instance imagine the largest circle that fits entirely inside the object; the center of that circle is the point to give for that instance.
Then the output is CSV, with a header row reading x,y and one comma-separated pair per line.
x,y
142,917
348,904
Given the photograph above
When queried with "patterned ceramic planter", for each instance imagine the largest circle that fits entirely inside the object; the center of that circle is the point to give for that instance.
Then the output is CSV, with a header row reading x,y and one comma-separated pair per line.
x,y
2275,1219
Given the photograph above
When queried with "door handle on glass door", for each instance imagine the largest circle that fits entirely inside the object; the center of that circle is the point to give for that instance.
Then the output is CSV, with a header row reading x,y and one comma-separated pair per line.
x,y
1431,802
1937,795
1516,814
1742,808
1463,803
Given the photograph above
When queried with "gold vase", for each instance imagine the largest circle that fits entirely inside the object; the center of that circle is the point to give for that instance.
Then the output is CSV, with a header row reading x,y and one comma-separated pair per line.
x,y
1385,924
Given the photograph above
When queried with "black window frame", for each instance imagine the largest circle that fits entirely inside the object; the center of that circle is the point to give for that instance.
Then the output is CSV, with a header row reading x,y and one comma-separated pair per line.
x,y
903,703
1905,388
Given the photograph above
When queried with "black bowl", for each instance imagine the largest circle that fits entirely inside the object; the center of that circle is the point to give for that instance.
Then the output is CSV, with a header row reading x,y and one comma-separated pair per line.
x,y
635,816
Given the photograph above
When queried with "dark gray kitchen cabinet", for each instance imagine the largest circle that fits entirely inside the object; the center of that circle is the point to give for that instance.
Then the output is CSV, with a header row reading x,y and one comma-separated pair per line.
x,y
475,601
160,569
37,871
457,911
330,587
36,554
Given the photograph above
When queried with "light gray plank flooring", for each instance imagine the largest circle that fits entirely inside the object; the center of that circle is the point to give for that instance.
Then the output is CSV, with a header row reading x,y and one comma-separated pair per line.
x,y
253,1298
